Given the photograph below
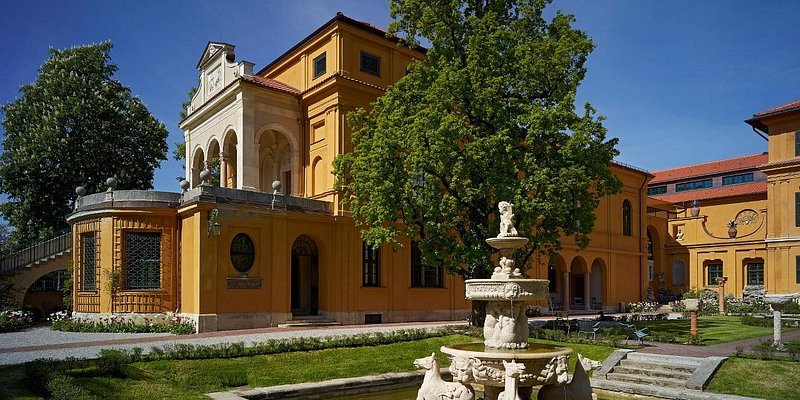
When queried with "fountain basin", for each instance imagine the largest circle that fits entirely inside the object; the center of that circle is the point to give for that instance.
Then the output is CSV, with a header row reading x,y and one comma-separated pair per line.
x,y
507,242
485,364
507,289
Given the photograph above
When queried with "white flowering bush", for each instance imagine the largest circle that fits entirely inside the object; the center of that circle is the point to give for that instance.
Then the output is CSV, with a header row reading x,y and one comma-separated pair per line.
x,y
642,306
15,320
122,323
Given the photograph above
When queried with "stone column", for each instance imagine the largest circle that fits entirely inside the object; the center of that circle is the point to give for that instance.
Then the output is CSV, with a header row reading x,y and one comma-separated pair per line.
x,y
223,169
778,301
566,290
587,290
776,328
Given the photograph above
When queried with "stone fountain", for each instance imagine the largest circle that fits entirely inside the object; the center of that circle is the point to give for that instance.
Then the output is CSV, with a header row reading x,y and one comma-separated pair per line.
x,y
505,363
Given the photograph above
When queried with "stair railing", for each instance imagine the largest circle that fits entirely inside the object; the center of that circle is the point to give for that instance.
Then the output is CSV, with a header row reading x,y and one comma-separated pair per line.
x,y
39,251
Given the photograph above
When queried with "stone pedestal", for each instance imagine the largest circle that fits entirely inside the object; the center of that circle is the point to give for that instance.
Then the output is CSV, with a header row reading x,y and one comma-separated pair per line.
x,y
778,301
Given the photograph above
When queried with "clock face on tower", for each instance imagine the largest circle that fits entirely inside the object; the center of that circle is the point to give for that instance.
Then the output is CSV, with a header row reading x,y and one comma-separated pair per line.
x,y
214,80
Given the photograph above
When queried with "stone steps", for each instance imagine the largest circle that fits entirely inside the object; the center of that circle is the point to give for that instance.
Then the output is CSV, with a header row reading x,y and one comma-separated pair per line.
x,y
309,321
660,391
652,372
647,380
674,374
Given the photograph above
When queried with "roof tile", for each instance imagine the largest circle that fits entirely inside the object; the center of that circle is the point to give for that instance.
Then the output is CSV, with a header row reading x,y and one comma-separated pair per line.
x,y
709,168
714,193
792,106
272,84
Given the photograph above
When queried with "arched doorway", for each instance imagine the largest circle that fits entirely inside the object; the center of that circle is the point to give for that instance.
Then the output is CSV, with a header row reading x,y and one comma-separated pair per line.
x,y
579,285
305,276
656,275
596,286
46,294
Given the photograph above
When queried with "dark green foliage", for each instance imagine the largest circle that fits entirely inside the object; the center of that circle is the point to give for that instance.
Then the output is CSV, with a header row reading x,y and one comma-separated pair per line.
x,y
111,362
63,387
793,348
489,115
764,349
766,321
76,125
38,374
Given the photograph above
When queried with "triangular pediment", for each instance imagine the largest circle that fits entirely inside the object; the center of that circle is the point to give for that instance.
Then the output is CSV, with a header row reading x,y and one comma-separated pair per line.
x,y
212,49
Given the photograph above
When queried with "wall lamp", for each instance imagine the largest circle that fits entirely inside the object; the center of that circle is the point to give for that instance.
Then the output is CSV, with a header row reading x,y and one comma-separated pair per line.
x,y
213,222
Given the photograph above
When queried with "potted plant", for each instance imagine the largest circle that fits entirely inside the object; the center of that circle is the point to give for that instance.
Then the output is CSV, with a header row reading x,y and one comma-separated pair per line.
x,y
732,228
695,210
691,299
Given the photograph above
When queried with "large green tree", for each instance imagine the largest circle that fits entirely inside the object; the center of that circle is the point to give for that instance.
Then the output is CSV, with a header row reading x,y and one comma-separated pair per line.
x,y
74,126
487,116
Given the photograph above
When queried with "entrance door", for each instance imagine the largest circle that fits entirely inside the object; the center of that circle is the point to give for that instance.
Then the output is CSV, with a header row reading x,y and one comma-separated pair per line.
x,y
579,290
305,277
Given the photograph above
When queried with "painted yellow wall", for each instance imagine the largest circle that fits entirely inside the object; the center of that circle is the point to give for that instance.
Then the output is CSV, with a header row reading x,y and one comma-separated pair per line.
x,y
783,182
705,239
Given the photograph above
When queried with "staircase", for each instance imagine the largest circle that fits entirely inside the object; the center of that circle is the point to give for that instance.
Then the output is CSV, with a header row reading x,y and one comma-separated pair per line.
x,y
309,321
661,376
37,254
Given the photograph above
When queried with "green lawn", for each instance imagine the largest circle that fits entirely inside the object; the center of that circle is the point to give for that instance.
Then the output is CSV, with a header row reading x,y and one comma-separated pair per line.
x,y
713,330
189,379
755,378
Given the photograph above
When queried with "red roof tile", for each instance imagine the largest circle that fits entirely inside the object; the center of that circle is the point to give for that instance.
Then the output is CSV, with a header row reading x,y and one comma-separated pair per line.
x,y
756,122
788,107
272,84
709,168
714,193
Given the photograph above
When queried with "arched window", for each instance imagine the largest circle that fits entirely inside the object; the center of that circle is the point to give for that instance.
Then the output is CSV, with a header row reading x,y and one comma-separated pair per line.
x,y
627,220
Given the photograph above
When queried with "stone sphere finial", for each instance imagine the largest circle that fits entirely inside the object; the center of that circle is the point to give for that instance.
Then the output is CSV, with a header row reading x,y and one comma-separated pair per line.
x,y
80,191
184,185
276,186
205,175
111,183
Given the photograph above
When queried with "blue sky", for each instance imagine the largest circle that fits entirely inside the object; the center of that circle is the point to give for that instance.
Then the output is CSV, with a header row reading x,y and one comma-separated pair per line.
x,y
675,79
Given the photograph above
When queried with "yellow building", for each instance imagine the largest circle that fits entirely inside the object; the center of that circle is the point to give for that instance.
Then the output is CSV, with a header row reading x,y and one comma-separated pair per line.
x,y
737,218
243,252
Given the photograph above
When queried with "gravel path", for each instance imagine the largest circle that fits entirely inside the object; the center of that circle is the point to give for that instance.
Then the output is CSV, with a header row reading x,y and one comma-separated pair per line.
x,y
38,342
43,335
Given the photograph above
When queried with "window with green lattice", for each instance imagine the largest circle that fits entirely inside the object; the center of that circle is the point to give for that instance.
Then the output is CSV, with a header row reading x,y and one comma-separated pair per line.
x,y
142,260
88,262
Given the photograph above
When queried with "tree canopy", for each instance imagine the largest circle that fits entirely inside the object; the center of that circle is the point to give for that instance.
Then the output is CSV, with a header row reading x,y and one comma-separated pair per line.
x,y
487,116
74,126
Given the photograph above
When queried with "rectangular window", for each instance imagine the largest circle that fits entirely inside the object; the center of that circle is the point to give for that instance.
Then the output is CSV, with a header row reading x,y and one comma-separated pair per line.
x,y
734,179
88,262
656,190
713,272
755,273
797,269
142,260
370,64
370,265
423,275
319,65
797,209
703,184
797,143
